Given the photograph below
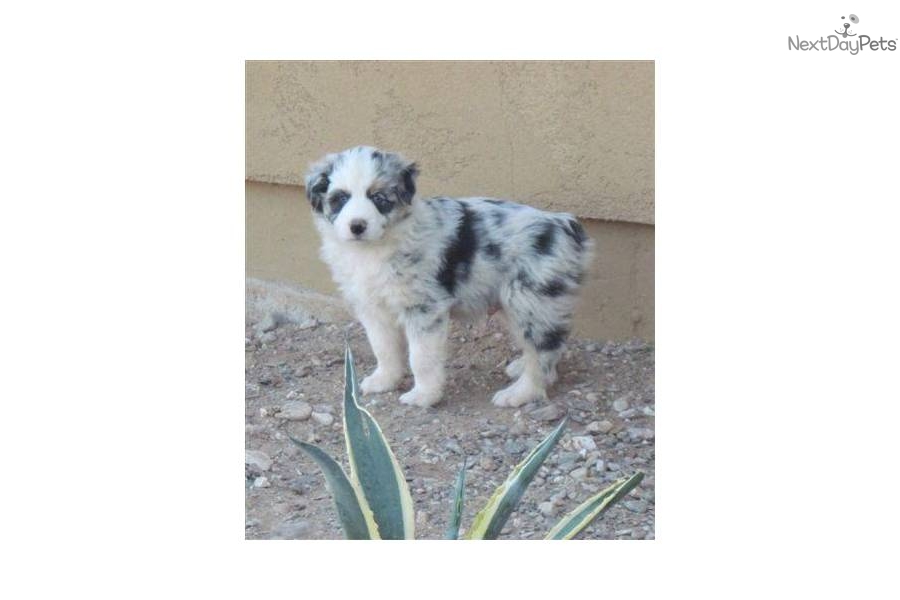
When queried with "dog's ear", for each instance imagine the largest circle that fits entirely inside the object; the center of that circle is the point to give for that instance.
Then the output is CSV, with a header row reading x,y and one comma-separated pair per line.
x,y
406,182
317,182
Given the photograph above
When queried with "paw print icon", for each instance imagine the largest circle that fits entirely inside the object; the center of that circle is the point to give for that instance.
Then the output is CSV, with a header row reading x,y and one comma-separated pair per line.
x,y
846,31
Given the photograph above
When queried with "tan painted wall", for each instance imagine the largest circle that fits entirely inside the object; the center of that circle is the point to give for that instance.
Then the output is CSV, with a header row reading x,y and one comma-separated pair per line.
x,y
574,136
616,302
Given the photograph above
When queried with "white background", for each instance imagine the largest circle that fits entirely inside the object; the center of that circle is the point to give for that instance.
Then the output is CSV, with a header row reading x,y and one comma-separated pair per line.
x,y
122,248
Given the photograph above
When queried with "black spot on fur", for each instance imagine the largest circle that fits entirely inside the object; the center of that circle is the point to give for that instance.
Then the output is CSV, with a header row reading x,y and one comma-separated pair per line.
x,y
526,281
554,288
494,202
543,243
553,339
493,251
499,217
574,230
412,258
459,253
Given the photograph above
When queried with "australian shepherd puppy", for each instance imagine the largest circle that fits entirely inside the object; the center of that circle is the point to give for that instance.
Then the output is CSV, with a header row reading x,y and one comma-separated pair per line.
x,y
406,265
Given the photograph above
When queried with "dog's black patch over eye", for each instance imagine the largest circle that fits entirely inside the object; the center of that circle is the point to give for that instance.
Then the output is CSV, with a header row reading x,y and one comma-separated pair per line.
x,y
543,243
336,202
459,253
381,202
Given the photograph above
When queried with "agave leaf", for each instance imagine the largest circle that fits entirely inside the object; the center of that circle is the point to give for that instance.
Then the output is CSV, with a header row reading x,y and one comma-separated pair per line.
x,y
572,524
373,467
346,499
456,514
490,520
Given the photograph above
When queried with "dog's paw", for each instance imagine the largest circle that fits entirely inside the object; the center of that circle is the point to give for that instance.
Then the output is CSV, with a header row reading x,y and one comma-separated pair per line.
x,y
515,368
419,397
379,381
516,395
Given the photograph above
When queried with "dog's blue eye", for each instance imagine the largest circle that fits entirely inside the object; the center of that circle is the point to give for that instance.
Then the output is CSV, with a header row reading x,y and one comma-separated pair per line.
x,y
381,202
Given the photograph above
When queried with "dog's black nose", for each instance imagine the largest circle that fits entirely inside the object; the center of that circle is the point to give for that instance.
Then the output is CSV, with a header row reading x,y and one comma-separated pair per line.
x,y
357,227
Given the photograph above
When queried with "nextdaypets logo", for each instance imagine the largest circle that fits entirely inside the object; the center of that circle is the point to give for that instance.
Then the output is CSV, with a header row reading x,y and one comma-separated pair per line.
x,y
845,39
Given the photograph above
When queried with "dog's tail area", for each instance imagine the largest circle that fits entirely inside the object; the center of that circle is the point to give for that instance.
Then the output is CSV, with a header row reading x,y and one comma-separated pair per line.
x,y
583,246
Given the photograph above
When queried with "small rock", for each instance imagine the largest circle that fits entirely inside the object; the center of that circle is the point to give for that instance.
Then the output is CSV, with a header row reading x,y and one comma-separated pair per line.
x,y
600,466
296,410
567,459
584,443
620,404
257,459
638,506
514,447
592,396
551,412
637,434
579,474
453,446
487,463
322,418
324,408
599,427
261,482
309,324
548,509
518,428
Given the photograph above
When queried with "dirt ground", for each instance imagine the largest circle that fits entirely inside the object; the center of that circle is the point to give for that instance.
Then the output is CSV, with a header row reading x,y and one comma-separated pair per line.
x,y
607,389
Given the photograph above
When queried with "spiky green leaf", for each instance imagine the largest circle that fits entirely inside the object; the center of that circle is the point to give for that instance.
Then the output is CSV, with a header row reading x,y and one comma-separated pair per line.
x,y
346,500
373,467
456,513
574,522
490,520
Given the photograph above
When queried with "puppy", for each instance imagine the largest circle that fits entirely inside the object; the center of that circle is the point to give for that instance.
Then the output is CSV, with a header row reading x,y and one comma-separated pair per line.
x,y
407,265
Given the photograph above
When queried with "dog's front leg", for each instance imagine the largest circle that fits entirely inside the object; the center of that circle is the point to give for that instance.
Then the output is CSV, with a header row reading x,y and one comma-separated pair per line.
x,y
386,338
427,351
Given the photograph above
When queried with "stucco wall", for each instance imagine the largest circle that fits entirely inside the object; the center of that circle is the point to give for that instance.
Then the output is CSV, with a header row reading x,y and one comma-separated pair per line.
x,y
573,136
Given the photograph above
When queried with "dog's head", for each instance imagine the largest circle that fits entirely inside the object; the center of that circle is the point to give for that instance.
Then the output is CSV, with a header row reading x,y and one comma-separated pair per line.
x,y
361,191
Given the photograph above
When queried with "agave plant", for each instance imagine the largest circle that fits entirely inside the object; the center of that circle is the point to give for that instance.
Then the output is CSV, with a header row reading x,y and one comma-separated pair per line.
x,y
374,502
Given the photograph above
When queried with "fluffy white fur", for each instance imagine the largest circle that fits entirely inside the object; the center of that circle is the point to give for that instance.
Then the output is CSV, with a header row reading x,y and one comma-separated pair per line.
x,y
407,265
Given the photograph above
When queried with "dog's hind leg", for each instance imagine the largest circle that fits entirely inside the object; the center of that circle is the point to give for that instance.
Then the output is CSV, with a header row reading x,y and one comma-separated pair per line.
x,y
540,325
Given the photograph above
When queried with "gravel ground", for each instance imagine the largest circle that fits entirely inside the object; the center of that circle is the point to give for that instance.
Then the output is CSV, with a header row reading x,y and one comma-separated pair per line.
x,y
294,383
